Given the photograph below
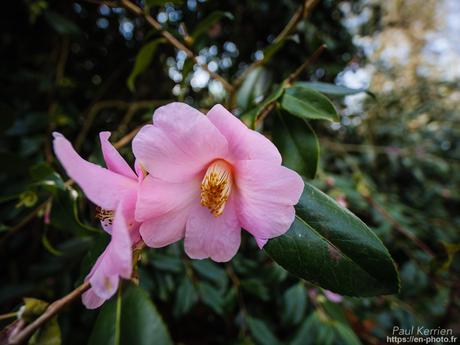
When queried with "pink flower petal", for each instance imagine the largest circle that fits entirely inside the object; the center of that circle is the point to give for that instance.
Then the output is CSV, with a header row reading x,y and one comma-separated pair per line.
x,y
333,297
114,161
212,237
266,195
91,300
102,186
166,229
244,143
180,143
157,197
116,260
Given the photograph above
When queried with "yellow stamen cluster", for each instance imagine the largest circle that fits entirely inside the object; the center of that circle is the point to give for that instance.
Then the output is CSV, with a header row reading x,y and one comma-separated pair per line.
x,y
105,216
216,187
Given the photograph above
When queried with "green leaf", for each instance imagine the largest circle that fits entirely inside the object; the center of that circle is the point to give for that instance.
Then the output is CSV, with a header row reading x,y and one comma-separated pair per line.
x,y
306,335
211,271
297,143
143,59
254,86
48,334
208,22
261,332
331,247
186,297
346,334
294,304
330,89
211,297
256,288
308,104
130,319
32,308
250,117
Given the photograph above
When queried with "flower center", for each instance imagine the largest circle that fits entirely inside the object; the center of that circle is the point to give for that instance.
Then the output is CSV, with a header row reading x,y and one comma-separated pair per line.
x,y
105,216
216,187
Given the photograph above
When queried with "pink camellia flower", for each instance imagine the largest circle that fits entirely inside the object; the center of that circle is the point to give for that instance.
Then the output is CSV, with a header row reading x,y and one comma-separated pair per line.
x,y
210,176
114,191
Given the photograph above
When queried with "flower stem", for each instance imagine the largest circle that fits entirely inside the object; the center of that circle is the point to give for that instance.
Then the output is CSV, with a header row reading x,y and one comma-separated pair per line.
x,y
52,310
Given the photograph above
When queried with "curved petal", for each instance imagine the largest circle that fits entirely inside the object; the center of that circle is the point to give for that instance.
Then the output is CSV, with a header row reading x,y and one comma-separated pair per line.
x,y
116,260
179,144
244,143
212,237
266,195
157,197
167,228
91,300
113,160
102,186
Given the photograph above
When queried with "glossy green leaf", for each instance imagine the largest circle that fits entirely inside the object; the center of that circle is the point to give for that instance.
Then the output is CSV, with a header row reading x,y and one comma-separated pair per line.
x,y
129,318
330,89
208,22
261,332
297,143
308,104
143,59
331,247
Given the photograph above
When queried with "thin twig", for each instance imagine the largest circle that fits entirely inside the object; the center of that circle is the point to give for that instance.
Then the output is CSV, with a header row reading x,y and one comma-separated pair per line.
x,y
52,310
174,41
237,284
89,118
119,104
307,63
127,137
24,221
288,81
397,225
118,144
8,315
301,13
385,214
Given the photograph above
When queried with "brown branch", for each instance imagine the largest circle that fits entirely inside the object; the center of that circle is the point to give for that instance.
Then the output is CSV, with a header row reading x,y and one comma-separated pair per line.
x,y
302,67
288,81
174,41
237,284
52,310
127,137
118,144
302,13
397,225
24,221
120,104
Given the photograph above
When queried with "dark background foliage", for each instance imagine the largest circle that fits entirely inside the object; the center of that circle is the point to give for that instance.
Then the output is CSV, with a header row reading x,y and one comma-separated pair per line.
x,y
65,66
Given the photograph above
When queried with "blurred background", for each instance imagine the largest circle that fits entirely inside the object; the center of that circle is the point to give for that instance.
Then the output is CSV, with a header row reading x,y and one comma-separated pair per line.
x,y
81,67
